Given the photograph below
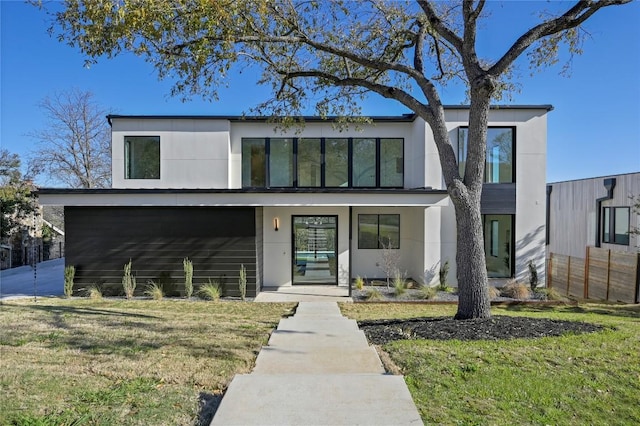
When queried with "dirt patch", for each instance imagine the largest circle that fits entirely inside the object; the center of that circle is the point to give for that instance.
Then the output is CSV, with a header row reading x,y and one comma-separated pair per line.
x,y
498,327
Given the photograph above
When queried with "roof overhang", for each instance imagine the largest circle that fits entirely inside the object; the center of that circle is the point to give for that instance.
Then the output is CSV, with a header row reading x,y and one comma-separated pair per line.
x,y
238,198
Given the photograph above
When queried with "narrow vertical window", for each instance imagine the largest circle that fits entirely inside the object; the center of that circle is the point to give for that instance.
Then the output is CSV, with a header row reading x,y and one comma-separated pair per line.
x,y
281,162
621,226
391,163
253,163
364,163
498,245
606,225
142,157
336,160
309,162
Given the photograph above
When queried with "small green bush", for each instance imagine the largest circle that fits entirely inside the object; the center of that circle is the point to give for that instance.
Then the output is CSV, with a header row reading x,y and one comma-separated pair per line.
x,y
399,285
359,282
516,290
210,291
374,294
428,293
242,282
69,275
442,273
154,290
533,275
94,292
551,294
493,292
187,266
128,281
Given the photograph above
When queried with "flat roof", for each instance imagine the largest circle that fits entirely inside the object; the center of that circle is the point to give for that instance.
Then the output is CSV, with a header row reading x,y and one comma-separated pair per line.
x,y
314,118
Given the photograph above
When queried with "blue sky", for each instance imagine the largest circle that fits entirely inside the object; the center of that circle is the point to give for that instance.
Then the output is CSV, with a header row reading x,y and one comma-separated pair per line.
x,y
594,129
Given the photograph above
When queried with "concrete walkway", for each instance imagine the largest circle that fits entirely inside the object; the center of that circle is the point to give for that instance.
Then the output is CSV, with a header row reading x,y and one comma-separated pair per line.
x,y
304,293
317,369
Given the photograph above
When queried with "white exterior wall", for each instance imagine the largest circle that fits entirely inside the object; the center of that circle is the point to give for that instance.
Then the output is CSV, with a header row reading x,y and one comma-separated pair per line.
x,y
530,168
206,153
278,247
194,153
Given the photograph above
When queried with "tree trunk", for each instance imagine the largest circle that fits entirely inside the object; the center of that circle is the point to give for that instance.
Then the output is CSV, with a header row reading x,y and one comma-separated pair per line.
x,y
473,294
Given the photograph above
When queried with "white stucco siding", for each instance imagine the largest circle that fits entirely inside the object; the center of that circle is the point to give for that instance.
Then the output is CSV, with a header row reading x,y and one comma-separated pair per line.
x,y
278,247
194,153
531,169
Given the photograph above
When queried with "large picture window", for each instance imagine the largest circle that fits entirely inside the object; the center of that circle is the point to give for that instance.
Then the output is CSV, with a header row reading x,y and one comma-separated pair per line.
x,y
323,162
498,245
142,157
615,225
499,163
377,231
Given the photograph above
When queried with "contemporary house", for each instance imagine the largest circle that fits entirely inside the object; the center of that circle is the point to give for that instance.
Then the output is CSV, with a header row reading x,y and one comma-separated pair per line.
x,y
594,212
300,206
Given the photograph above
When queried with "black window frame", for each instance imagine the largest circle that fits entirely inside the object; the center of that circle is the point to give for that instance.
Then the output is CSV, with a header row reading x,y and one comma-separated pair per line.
x,y
514,138
350,160
127,156
612,225
379,243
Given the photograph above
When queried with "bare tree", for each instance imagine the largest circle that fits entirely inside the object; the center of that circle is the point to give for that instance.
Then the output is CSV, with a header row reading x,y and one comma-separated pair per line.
x,y
74,147
331,53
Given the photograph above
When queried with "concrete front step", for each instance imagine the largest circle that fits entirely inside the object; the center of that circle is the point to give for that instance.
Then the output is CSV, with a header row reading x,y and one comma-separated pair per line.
x,y
318,360
296,339
325,326
325,399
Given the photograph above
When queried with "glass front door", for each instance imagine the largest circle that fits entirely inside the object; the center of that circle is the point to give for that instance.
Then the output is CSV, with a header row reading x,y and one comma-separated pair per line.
x,y
315,240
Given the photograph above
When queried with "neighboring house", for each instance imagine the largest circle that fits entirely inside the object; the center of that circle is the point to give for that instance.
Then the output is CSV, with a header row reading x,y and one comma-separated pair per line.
x,y
592,212
300,206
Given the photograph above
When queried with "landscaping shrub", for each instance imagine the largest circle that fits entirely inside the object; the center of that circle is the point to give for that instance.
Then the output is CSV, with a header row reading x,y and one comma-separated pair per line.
x,y
94,292
442,273
533,275
359,283
69,275
187,266
551,294
493,292
374,294
516,290
210,291
128,281
428,293
399,285
154,290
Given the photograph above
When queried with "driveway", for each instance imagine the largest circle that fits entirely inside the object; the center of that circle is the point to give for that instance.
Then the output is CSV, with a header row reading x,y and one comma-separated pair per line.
x,y
18,282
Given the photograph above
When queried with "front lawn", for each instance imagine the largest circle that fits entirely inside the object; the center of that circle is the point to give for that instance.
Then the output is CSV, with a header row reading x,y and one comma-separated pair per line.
x,y
137,362
591,378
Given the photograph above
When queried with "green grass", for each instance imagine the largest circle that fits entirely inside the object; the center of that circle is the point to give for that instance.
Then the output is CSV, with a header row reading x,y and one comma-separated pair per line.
x,y
140,362
569,380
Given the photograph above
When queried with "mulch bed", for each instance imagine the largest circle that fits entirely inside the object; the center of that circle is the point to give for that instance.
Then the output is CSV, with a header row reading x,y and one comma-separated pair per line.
x,y
498,327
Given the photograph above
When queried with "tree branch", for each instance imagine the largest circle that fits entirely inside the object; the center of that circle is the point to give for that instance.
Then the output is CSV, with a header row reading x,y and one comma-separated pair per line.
x,y
437,24
572,18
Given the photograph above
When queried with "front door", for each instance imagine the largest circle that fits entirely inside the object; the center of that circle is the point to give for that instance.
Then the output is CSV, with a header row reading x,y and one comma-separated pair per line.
x,y
315,242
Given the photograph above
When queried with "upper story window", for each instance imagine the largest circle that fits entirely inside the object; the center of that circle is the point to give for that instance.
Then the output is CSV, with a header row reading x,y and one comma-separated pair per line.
x,y
615,225
322,162
499,163
142,157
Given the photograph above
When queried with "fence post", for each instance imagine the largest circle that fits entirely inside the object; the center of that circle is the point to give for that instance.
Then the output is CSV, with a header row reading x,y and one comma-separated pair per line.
x,y
608,272
549,274
586,274
568,274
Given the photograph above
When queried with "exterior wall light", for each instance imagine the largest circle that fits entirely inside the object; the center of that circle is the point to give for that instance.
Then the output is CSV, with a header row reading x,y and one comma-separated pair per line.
x,y
276,223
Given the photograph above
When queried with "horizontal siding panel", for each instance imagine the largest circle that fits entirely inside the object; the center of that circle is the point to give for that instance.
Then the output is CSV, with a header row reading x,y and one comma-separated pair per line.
x,y
156,240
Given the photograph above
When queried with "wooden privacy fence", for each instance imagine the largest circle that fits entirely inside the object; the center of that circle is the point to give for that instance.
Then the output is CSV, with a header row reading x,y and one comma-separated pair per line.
x,y
603,275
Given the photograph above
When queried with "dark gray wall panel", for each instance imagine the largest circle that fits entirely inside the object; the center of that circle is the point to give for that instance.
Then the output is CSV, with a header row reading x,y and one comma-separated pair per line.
x,y
100,240
499,198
